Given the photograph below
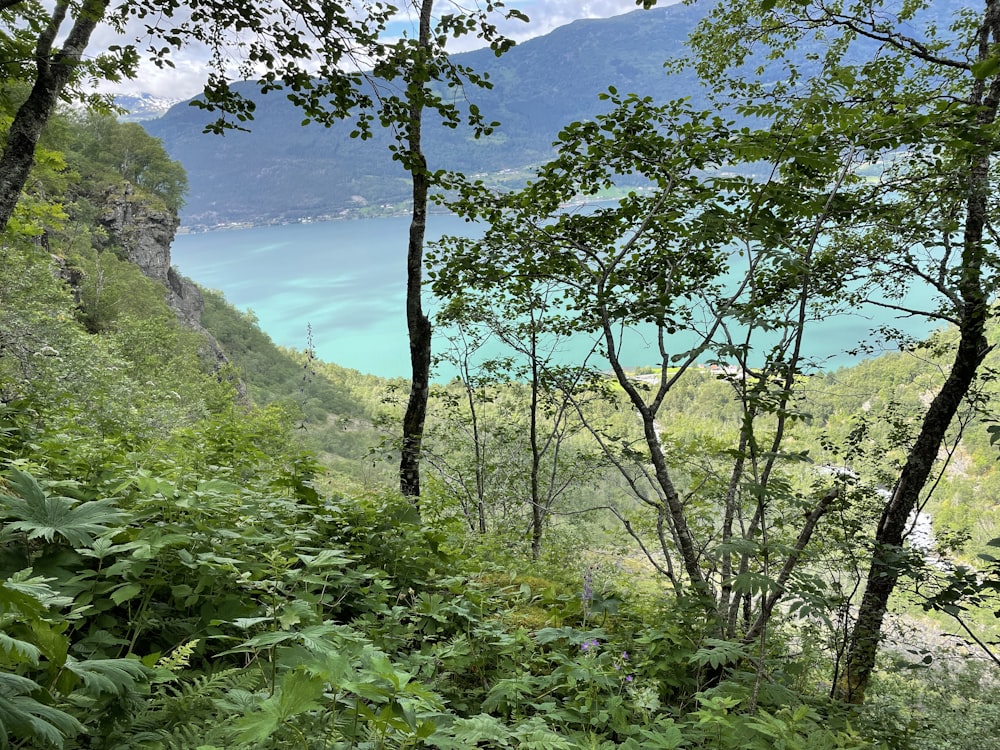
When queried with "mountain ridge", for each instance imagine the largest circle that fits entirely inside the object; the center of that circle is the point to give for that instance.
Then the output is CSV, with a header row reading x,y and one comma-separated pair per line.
x,y
283,171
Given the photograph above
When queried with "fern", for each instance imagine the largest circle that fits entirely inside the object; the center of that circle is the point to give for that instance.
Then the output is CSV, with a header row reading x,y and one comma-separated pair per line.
x,y
179,658
187,713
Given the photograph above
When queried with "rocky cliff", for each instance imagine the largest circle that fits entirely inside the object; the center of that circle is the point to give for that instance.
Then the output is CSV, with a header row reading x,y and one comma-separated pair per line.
x,y
144,234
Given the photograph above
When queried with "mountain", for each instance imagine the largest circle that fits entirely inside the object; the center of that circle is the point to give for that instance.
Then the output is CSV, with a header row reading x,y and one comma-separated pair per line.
x,y
139,107
283,171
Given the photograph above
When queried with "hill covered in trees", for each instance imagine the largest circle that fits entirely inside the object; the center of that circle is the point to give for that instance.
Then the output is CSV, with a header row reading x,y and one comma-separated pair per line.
x,y
281,171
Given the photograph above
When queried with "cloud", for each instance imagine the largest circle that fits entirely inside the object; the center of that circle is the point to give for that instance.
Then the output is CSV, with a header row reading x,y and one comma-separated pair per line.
x,y
547,15
190,70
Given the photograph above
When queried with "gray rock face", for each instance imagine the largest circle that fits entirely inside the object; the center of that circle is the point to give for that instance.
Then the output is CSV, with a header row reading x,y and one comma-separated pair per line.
x,y
144,234
185,298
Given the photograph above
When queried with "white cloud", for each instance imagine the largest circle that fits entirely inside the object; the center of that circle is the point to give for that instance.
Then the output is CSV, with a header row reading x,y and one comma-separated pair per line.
x,y
188,75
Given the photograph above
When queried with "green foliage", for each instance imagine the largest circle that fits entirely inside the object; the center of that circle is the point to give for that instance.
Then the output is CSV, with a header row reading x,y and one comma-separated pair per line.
x,y
222,597
273,374
105,152
176,571
42,515
951,705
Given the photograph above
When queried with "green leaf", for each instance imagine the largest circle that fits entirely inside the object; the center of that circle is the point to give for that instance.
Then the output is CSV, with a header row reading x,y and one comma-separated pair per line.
x,y
51,641
717,653
18,650
294,612
30,595
533,734
327,558
24,717
48,516
315,638
297,694
219,486
986,68
480,728
116,676
126,592
269,638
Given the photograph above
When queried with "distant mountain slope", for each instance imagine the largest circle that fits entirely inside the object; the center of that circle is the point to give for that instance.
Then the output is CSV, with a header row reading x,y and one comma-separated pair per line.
x,y
283,171
143,106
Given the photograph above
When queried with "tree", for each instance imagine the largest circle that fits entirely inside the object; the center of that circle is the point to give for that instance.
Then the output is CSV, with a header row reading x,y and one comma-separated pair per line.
x,y
105,152
283,45
466,420
926,218
520,319
418,325
713,267
317,53
53,70
868,177
419,63
408,77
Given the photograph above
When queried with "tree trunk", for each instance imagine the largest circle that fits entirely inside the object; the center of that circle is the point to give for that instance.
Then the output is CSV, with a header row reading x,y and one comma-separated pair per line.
x,y
54,71
417,323
884,571
537,512
972,348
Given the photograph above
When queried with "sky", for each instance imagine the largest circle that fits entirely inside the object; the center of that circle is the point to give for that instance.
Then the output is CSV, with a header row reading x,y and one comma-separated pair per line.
x,y
187,76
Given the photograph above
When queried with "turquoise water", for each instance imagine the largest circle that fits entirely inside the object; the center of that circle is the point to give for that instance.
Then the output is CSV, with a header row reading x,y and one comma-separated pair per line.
x,y
346,279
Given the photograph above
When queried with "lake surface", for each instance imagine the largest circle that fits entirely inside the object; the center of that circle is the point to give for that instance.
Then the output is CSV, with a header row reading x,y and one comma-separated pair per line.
x,y
347,281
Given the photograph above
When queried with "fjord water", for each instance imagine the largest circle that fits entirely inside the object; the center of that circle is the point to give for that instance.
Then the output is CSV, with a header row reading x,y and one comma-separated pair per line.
x,y
347,280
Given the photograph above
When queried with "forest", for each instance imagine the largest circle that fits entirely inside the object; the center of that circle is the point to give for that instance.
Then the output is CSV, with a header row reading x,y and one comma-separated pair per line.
x,y
208,541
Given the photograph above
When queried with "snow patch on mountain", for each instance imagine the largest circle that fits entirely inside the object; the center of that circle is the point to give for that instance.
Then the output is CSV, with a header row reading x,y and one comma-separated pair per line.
x,y
143,106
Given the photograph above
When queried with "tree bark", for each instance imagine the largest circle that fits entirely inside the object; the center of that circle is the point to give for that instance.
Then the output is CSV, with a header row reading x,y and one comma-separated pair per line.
x,y
54,69
537,512
884,571
417,323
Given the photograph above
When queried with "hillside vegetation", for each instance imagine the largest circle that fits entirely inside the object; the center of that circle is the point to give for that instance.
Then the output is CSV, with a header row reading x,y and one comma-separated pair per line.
x,y
180,571
201,546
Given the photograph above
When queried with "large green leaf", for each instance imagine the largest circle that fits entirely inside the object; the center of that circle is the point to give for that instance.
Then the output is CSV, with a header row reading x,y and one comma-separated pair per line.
x,y
473,730
23,717
116,676
18,650
49,516
30,595
297,694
